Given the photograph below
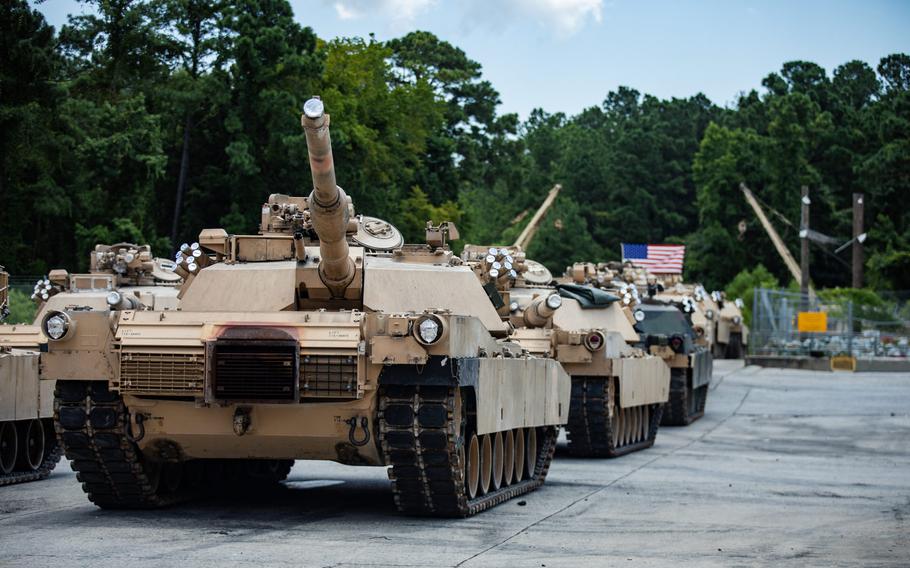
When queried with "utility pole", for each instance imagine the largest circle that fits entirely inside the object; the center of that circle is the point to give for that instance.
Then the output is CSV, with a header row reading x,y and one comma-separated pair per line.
x,y
858,240
804,243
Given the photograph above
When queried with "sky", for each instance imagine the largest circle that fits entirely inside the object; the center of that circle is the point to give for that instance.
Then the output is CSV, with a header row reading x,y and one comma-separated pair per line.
x,y
566,55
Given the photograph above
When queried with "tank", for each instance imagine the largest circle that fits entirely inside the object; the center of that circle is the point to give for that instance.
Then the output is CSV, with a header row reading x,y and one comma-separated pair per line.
x,y
665,330
618,389
121,275
28,446
667,324
322,337
731,332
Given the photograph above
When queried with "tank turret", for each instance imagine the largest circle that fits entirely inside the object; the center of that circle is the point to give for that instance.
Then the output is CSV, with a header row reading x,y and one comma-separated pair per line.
x,y
328,203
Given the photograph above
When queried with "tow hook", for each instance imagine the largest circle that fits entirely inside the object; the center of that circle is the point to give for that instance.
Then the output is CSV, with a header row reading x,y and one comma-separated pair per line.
x,y
352,433
242,421
140,419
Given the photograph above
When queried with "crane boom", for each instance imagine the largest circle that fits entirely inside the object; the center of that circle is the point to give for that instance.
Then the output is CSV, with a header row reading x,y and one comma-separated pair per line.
x,y
792,266
524,239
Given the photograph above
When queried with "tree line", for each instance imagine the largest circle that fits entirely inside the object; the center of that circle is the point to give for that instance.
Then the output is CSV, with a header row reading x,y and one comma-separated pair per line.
x,y
148,120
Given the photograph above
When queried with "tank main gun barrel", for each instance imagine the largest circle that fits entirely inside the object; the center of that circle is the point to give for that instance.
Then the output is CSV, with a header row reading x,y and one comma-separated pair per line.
x,y
328,202
541,310
524,239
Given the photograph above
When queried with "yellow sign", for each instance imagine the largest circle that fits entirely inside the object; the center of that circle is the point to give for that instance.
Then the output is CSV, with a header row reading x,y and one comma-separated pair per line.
x,y
812,322
843,363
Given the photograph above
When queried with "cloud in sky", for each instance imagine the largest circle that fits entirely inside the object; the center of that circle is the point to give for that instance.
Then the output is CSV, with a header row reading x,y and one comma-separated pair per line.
x,y
564,17
396,10
567,16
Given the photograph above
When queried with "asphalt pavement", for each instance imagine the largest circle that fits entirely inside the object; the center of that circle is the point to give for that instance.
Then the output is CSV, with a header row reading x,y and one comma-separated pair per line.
x,y
787,468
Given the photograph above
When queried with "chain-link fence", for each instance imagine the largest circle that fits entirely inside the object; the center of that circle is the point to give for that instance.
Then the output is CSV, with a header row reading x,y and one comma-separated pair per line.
x,y
857,323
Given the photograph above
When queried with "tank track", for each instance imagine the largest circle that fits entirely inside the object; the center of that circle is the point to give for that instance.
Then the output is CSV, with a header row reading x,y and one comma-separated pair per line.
x,y
685,405
593,420
51,458
420,439
92,425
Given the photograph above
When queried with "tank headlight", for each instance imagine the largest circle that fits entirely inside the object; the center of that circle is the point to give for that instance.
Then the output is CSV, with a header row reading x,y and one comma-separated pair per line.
x,y
428,330
709,314
513,307
737,320
56,325
639,315
595,341
554,301
114,298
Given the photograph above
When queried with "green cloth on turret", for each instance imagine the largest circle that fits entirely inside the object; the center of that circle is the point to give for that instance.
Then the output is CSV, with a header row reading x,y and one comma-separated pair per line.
x,y
587,296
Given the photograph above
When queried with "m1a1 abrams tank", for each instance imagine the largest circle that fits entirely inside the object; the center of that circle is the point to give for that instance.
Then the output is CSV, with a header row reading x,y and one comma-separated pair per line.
x,y
618,390
731,333
121,276
306,342
28,448
666,330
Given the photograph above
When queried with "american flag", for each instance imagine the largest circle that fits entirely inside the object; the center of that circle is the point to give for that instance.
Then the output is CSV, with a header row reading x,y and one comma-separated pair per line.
x,y
659,259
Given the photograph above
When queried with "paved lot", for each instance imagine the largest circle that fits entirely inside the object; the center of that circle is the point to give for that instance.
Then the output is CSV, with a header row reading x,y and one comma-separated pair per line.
x,y
787,468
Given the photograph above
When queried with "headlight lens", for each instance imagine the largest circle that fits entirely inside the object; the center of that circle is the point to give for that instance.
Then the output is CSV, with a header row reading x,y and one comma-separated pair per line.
x,y
709,314
639,315
554,301
737,320
429,330
56,326
594,341
513,307
114,298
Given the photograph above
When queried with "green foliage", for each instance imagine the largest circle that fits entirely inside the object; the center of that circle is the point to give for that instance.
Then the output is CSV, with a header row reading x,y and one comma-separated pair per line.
x,y
150,120
744,284
21,308
417,210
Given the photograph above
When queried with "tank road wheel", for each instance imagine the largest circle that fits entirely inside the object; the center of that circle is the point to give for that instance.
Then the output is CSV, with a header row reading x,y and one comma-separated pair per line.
x,y
472,479
439,465
9,447
93,424
486,463
508,457
519,434
497,460
531,450
31,445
